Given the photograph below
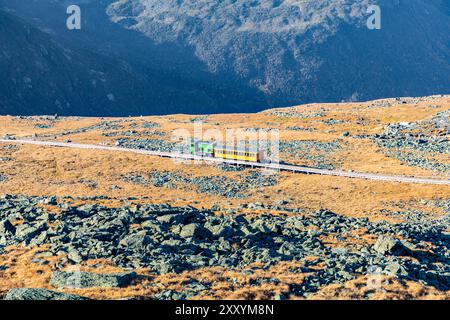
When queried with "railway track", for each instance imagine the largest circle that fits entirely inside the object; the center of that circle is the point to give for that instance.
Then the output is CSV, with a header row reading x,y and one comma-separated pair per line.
x,y
269,166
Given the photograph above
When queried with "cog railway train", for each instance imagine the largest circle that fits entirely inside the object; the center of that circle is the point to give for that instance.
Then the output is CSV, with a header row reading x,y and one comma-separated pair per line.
x,y
214,150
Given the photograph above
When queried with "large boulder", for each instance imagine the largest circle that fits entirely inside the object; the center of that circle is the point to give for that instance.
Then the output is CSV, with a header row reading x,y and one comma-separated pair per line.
x,y
136,241
39,294
390,246
6,226
62,279
28,232
396,269
194,230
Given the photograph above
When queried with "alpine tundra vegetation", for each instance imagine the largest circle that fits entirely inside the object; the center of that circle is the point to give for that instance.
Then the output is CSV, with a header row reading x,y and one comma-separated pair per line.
x,y
102,224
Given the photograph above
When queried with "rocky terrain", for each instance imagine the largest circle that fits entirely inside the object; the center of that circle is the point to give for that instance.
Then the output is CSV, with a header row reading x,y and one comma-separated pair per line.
x,y
79,224
165,239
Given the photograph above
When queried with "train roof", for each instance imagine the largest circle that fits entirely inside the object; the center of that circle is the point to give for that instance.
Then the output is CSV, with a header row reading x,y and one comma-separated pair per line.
x,y
237,148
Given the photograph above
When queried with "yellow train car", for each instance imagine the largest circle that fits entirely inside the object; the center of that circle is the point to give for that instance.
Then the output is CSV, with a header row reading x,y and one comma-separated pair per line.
x,y
240,154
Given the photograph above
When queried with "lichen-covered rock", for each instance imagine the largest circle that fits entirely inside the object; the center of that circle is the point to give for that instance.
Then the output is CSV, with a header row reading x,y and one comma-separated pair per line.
x,y
386,245
61,279
39,294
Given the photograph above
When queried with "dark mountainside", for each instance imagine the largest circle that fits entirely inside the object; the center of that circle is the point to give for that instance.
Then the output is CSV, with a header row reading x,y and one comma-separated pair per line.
x,y
306,51
39,76
157,79
226,56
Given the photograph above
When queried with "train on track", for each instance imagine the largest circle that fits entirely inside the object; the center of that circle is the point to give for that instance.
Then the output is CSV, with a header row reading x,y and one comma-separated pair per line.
x,y
214,150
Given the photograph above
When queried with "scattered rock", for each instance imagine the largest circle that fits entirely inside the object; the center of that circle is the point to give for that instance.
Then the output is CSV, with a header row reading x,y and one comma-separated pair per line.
x,y
318,152
27,232
193,230
6,226
395,268
146,144
166,239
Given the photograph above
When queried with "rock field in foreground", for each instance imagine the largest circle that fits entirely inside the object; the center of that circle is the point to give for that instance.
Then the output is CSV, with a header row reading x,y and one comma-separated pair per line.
x,y
169,239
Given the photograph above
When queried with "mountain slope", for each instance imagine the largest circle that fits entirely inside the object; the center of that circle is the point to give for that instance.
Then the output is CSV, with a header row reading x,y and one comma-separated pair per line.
x,y
40,76
307,50
177,80
227,56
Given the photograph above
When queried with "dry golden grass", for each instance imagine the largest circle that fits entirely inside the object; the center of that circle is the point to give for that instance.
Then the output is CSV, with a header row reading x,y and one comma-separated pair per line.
x,y
60,172
380,288
226,284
